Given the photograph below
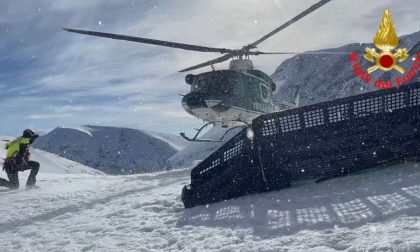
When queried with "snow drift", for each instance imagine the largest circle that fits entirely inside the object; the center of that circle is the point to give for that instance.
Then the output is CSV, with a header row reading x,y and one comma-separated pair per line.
x,y
374,211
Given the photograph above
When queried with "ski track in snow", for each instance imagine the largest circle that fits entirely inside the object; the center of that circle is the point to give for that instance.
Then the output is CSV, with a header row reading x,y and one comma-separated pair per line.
x,y
375,211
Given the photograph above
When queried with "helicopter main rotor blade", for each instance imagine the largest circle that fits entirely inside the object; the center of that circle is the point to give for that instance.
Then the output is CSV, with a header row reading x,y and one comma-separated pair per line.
x,y
288,53
208,63
151,41
290,22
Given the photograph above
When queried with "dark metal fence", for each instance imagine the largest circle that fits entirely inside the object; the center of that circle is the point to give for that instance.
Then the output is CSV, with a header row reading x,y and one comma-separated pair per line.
x,y
229,155
227,173
341,136
313,142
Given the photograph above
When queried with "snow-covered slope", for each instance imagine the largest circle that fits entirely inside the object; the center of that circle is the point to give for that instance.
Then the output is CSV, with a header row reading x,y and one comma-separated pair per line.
x,y
111,150
177,142
50,163
325,77
375,211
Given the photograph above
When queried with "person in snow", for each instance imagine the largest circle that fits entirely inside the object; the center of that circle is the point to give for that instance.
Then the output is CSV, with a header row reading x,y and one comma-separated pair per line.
x,y
17,159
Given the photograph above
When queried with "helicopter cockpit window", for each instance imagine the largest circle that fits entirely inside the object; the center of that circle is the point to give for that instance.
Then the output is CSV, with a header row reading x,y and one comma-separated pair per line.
x,y
219,84
264,92
203,84
222,84
199,84
238,87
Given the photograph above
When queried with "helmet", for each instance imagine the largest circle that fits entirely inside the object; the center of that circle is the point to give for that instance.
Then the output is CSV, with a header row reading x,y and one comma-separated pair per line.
x,y
28,133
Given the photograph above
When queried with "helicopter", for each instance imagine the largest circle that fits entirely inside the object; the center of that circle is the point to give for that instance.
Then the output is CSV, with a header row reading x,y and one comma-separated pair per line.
x,y
232,97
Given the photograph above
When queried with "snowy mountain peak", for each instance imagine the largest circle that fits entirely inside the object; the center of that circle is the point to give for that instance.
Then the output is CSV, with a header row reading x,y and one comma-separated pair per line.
x,y
109,149
322,77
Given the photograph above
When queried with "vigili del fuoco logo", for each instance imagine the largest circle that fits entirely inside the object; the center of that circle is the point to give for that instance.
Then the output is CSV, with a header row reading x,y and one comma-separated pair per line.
x,y
386,58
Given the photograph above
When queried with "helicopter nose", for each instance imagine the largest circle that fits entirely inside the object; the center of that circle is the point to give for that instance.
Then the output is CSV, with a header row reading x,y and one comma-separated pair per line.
x,y
194,100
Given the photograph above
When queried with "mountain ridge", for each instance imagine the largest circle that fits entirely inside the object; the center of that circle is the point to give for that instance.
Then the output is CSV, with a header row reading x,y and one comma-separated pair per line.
x,y
323,77
109,149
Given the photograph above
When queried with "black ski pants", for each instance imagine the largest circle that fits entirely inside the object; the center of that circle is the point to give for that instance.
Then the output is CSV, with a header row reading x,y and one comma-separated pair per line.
x,y
12,173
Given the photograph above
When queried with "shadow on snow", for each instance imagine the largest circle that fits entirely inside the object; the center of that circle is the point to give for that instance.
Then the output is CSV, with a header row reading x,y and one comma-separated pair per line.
x,y
351,202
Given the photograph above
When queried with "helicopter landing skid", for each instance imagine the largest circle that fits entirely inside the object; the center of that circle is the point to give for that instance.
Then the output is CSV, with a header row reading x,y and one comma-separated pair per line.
x,y
276,152
195,138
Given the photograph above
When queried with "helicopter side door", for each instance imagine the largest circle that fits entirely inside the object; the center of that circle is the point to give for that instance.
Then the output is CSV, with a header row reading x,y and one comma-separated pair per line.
x,y
244,92
265,101
260,94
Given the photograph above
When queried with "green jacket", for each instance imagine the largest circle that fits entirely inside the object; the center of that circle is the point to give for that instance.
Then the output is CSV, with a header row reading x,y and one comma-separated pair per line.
x,y
18,147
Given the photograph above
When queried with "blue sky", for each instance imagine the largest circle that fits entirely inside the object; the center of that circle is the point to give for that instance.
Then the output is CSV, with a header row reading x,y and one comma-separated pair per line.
x,y
51,78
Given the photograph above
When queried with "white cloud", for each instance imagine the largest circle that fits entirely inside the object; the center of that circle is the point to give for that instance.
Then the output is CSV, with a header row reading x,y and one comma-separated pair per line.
x,y
68,108
49,116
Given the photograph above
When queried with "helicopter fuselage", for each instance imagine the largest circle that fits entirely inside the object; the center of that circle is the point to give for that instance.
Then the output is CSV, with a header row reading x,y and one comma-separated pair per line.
x,y
230,97
226,97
